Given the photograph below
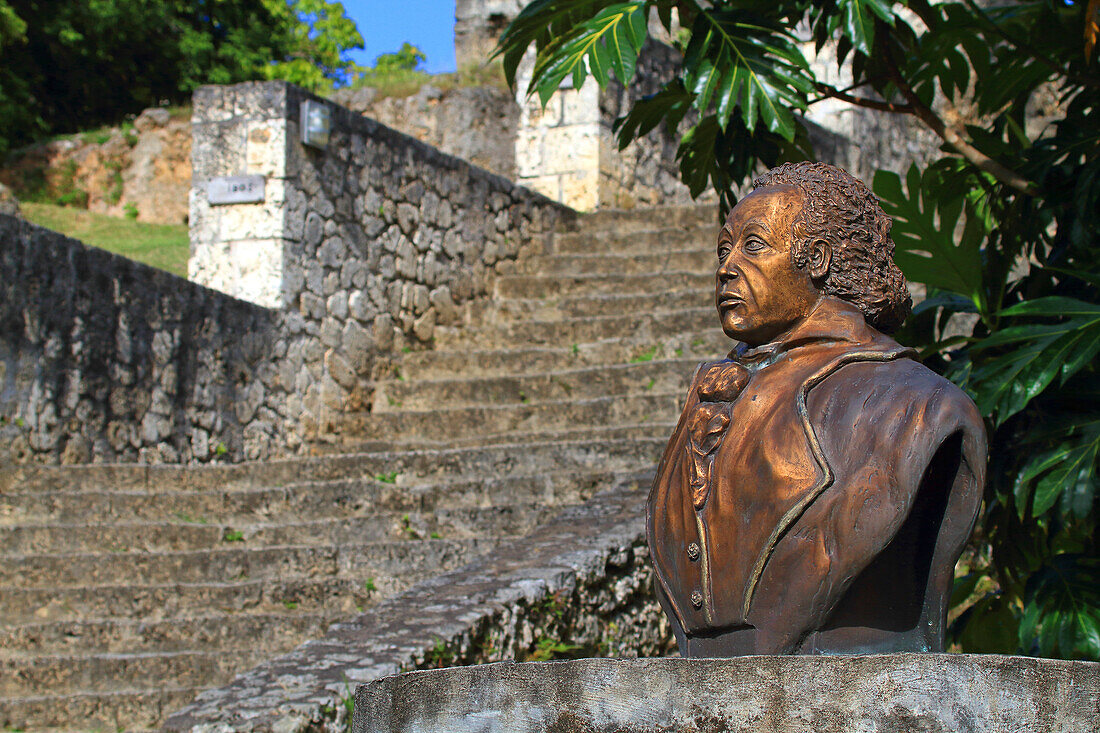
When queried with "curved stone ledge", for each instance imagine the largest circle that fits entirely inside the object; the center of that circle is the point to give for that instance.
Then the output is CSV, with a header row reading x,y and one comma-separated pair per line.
x,y
899,692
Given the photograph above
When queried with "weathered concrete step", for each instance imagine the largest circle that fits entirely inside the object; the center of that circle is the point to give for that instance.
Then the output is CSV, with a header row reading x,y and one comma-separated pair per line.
x,y
658,375
122,709
107,672
654,434
643,218
548,286
147,602
591,559
236,563
304,500
428,464
373,526
697,258
445,363
448,424
580,306
213,630
655,239
565,332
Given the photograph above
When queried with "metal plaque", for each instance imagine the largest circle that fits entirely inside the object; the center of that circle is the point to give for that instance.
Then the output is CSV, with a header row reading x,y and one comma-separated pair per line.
x,y
235,190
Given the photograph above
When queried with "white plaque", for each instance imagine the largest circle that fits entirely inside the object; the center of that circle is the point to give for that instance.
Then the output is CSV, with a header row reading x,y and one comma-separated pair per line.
x,y
235,190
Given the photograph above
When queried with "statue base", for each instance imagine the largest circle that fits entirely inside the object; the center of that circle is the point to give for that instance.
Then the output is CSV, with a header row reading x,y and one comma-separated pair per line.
x,y
763,694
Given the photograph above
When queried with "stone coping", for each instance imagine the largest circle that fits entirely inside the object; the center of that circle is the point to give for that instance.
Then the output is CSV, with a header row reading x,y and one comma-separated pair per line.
x,y
763,694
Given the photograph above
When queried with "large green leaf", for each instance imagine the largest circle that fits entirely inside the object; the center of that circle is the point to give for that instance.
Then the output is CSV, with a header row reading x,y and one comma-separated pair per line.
x,y
924,235
1068,469
606,43
1004,384
858,17
739,60
1062,608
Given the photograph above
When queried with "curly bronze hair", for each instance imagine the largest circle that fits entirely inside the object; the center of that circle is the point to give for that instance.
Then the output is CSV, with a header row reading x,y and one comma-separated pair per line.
x,y
839,209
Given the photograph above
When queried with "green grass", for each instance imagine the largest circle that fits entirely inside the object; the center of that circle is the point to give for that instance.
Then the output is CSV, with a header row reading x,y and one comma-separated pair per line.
x,y
165,246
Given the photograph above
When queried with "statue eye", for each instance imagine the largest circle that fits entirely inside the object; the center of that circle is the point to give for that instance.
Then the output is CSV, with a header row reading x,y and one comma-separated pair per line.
x,y
723,251
754,244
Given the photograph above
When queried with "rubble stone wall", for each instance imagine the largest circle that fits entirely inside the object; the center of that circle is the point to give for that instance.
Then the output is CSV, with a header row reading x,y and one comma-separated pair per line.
x,y
368,244
105,358
359,248
477,124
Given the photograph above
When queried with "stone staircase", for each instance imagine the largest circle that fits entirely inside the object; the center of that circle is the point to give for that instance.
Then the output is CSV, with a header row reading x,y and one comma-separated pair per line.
x,y
125,590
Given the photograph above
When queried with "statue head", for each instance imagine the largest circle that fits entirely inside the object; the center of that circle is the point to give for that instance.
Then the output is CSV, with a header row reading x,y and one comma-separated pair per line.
x,y
806,230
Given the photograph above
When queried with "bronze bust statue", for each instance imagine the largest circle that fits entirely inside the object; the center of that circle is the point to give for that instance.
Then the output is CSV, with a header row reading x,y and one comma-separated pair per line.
x,y
821,483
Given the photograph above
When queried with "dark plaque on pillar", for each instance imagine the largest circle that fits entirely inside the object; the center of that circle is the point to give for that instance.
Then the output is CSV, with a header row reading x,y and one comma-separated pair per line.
x,y
821,483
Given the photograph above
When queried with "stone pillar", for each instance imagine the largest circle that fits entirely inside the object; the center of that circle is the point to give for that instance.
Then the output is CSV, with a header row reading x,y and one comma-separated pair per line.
x,y
240,248
478,25
558,147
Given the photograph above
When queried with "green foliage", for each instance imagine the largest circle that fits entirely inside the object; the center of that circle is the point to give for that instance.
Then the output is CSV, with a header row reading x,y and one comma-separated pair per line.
x,y
69,65
397,74
232,535
1002,231
547,649
439,655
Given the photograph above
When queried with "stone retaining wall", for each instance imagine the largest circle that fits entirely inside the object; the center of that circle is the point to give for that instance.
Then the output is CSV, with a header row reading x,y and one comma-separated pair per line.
x,y
359,248
103,357
477,124
368,243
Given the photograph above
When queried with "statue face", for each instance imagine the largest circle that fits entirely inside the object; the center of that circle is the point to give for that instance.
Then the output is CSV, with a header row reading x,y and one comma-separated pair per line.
x,y
759,292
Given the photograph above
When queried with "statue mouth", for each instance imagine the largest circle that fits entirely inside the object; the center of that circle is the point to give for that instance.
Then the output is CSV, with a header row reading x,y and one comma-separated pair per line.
x,y
728,300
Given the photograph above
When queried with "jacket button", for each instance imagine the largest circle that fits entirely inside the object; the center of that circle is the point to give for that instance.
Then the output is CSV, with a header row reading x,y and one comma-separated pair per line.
x,y
696,599
694,551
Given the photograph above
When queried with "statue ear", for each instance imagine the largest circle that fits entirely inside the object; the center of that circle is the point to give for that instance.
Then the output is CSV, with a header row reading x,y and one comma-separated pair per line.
x,y
821,256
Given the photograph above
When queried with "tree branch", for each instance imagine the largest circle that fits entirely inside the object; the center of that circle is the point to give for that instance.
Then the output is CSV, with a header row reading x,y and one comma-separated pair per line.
x,y
952,137
843,96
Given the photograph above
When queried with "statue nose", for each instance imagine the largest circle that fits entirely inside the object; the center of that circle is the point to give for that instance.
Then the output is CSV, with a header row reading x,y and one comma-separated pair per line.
x,y
726,269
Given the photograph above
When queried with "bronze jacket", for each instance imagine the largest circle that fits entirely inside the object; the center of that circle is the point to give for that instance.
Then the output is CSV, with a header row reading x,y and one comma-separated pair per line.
x,y
815,496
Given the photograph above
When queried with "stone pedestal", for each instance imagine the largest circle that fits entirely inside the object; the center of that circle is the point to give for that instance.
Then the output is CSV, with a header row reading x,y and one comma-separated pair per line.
x,y
898,692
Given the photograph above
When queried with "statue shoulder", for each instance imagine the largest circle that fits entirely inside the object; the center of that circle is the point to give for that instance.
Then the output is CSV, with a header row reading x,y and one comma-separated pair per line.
x,y
902,387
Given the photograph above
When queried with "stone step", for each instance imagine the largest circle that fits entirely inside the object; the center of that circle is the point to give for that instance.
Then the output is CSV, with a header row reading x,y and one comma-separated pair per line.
x,y
710,345
699,258
656,432
477,422
154,602
426,465
142,536
225,564
580,306
645,326
549,286
212,630
306,500
120,709
108,672
655,239
660,375
646,218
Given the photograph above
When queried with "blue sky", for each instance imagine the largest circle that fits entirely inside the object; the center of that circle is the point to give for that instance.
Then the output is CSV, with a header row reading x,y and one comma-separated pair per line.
x,y
386,24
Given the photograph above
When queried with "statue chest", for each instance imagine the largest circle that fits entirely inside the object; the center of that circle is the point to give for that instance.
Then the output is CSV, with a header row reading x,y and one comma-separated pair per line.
x,y
742,470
